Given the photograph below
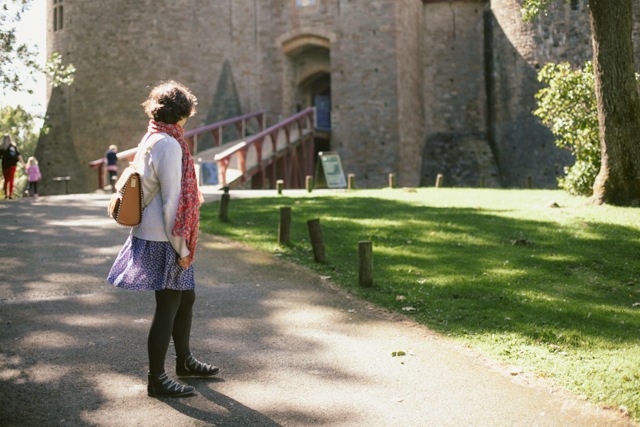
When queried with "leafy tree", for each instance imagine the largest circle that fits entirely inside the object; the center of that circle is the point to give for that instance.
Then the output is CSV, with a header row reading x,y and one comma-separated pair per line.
x,y
20,124
10,51
57,72
617,101
568,107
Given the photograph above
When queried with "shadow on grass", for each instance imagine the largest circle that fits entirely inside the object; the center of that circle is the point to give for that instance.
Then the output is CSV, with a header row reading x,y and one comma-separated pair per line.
x,y
465,270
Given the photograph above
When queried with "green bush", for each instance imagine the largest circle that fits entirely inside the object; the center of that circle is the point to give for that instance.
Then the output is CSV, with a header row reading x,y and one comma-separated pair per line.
x,y
568,107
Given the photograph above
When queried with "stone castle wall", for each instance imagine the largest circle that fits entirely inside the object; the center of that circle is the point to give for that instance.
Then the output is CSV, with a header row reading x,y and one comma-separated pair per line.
x,y
417,88
456,140
515,53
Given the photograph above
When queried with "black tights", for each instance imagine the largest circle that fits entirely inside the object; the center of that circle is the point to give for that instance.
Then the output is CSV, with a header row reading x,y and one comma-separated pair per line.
x,y
172,317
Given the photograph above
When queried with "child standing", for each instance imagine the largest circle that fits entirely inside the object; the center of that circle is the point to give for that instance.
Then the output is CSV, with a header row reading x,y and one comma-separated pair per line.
x,y
34,176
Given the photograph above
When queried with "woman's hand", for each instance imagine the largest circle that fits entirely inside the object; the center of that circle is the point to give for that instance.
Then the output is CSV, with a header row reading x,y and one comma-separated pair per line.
x,y
185,262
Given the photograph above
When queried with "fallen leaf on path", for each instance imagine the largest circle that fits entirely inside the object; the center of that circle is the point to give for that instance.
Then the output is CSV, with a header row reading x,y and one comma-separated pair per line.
x,y
141,321
325,277
398,399
351,311
409,308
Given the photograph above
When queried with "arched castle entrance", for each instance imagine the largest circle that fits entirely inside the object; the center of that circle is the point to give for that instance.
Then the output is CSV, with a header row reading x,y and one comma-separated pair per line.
x,y
307,81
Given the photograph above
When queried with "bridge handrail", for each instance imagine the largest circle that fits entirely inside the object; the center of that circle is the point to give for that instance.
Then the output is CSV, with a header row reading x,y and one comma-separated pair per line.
x,y
191,137
305,116
261,135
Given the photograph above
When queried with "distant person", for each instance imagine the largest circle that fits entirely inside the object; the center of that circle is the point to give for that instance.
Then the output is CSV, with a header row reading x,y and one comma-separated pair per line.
x,y
10,158
112,164
158,254
33,170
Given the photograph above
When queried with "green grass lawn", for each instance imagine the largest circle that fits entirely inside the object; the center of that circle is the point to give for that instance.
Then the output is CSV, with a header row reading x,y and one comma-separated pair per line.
x,y
551,290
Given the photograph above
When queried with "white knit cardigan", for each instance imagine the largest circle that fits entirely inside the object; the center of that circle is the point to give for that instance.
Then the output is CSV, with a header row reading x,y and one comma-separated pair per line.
x,y
162,165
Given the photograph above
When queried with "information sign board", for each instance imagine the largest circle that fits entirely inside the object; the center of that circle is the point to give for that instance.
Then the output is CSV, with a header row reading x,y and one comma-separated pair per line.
x,y
332,168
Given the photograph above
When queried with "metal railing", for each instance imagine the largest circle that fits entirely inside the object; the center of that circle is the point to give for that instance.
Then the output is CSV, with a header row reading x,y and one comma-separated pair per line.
x,y
192,137
294,156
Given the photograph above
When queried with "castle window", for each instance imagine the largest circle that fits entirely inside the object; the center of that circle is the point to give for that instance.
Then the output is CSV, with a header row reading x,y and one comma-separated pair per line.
x,y
575,4
58,15
305,3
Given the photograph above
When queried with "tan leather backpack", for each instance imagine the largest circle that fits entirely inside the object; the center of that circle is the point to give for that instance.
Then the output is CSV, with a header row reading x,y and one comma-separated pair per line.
x,y
128,202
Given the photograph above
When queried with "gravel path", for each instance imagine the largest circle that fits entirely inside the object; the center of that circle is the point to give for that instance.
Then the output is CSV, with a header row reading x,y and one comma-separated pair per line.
x,y
293,350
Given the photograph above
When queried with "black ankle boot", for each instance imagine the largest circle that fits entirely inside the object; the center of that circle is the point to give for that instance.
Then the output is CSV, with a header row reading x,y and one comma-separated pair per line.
x,y
163,386
190,367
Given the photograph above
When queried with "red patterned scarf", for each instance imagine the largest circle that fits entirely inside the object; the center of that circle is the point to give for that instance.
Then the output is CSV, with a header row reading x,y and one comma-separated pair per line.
x,y
188,215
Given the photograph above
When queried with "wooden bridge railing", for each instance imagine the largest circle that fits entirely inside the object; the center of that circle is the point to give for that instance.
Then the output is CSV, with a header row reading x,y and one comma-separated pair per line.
x,y
192,137
290,153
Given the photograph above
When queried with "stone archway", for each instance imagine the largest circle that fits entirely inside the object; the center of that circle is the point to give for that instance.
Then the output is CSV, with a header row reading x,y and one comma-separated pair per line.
x,y
306,73
307,80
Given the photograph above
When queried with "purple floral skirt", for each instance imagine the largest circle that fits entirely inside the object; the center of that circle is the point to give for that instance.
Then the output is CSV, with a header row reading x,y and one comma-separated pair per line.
x,y
144,265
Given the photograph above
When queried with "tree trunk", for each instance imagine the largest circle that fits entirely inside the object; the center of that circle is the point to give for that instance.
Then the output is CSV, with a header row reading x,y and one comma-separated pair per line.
x,y
618,105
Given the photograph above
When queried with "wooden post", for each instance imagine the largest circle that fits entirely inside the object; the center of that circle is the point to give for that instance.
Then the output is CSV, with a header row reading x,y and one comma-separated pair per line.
x,y
224,204
392,180
351,182
439,180
317,241
530,181
285,225
524,183
279,186
365,264
309,183
483,181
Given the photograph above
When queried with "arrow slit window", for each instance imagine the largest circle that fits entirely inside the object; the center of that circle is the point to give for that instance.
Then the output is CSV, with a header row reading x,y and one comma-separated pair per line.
x,y
58,15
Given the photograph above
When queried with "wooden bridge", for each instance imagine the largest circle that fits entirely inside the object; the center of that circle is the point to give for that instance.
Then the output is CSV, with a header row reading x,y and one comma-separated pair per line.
x,y
283,151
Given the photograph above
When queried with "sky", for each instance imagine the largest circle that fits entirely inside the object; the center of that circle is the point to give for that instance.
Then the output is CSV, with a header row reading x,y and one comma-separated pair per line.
x,y
32,29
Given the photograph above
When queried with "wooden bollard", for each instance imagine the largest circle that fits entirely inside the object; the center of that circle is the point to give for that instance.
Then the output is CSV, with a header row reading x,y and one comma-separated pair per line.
x,y
392,180
224,204
279,186
439,180
529,181
309,183
365,264
524,183
483,181
285,225
317,241
351,182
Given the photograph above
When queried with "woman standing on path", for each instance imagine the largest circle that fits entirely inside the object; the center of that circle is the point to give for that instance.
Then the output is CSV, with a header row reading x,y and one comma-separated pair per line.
x,y
10,158
158,254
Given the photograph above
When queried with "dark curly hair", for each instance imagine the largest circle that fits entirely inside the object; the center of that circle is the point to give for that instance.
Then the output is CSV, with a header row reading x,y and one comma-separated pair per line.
x,y
170,102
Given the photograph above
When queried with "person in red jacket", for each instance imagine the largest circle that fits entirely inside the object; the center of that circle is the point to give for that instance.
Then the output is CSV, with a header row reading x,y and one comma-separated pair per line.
x,y
10,158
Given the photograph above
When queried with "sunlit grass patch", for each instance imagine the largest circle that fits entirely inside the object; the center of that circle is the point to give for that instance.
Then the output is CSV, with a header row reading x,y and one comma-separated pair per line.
x,y
551,290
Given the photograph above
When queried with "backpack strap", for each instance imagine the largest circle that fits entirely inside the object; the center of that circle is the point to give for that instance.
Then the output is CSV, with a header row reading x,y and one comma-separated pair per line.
x,y
149,198
155,137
